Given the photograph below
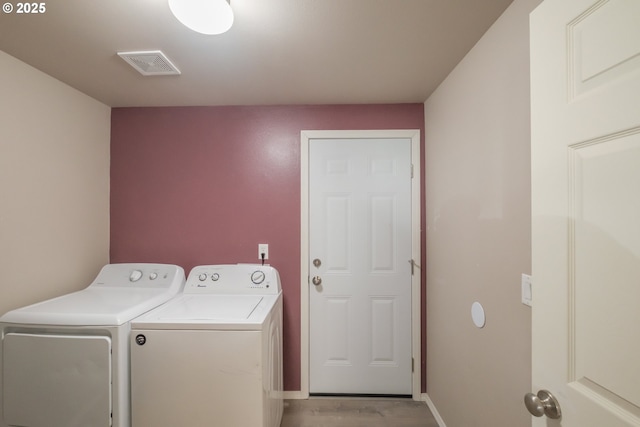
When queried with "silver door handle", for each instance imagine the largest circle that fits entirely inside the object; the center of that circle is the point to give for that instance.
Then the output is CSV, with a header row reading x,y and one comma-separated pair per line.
x,y
543,403
317,280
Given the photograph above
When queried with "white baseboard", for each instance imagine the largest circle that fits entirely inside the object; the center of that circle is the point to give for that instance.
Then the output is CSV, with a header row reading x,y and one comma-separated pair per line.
x,y
293,395
433,410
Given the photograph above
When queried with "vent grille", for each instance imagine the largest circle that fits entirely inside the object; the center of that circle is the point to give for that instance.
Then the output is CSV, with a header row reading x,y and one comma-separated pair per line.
x,y
150,63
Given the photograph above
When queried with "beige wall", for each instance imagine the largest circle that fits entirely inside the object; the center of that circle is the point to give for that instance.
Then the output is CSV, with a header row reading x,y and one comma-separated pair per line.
x,y
54,186
478,230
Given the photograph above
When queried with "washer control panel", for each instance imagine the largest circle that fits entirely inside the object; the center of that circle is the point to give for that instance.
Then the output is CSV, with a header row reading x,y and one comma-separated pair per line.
x,y
233,279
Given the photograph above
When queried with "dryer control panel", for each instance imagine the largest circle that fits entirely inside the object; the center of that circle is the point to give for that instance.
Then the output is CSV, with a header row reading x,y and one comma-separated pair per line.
x,y
235,279
140,275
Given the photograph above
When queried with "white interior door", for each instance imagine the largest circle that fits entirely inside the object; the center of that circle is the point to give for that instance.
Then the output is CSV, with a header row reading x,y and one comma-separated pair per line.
x,y
585,88
360,287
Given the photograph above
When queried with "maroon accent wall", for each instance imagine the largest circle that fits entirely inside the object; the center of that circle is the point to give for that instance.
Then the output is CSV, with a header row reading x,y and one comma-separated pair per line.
x,y
205,185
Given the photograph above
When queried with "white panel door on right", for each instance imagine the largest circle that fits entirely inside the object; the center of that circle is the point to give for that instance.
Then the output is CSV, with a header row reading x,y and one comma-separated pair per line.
x,y
585,93
360,251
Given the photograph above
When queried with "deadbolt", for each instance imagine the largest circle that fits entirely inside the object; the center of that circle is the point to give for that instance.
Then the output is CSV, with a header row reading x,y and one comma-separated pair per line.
x,y
544,403
317,262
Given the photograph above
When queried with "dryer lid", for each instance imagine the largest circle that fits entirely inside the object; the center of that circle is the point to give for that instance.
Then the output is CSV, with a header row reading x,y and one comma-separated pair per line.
x,y
90,307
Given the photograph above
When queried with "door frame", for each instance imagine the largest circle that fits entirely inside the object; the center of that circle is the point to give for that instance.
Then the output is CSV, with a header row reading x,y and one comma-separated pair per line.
x,y
416,185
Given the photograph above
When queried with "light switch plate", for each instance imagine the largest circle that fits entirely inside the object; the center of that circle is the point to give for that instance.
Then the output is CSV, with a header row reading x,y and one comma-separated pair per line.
x,y
526,289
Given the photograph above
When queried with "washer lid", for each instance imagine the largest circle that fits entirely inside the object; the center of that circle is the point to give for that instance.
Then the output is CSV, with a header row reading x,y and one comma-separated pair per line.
x,y
219,308
224,312
91,307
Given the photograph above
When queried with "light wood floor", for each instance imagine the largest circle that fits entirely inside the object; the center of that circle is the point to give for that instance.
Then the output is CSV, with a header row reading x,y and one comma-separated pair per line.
x,y
356,412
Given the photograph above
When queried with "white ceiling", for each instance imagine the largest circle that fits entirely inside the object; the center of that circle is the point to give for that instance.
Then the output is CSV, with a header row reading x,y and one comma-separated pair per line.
x,y
277,52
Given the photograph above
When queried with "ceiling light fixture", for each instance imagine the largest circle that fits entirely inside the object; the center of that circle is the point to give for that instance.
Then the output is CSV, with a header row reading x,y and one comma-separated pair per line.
x,y
203,16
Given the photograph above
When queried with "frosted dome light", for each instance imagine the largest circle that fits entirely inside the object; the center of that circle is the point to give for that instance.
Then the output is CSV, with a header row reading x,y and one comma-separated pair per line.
x,y
203,16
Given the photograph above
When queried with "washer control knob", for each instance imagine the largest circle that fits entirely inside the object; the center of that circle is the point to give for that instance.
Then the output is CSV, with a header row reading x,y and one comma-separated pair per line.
x,y
153,276
202,277
257,277
135,275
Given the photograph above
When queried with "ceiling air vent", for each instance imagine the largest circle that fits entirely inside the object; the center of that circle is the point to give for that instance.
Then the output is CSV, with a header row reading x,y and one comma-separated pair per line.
x,y
150,63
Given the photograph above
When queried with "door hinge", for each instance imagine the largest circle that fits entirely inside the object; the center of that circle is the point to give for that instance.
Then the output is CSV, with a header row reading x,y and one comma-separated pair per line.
x,y
412,170
412,365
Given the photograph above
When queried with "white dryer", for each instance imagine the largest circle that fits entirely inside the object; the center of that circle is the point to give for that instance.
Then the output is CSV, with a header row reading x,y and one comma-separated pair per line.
x,y
65,361
213,355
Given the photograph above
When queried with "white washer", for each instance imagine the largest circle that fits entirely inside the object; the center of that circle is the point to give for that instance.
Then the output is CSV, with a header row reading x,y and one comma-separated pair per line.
x,y
213,355
65,361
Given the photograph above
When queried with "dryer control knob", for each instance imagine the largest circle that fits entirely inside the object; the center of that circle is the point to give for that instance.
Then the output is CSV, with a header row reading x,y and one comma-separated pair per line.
x,y
202,277
135,275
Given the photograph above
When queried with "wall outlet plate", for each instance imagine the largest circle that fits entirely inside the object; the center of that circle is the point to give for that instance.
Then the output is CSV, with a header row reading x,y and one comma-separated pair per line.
x,y
263,248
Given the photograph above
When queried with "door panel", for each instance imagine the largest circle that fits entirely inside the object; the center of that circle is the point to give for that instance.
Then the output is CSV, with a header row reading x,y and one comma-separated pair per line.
x,y
337,252
382,233
360,230
383,315
606,209
585,89
336,334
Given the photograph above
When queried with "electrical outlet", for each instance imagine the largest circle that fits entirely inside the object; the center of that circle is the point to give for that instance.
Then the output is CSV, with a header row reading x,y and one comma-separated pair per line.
x,y
263,248
526,289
